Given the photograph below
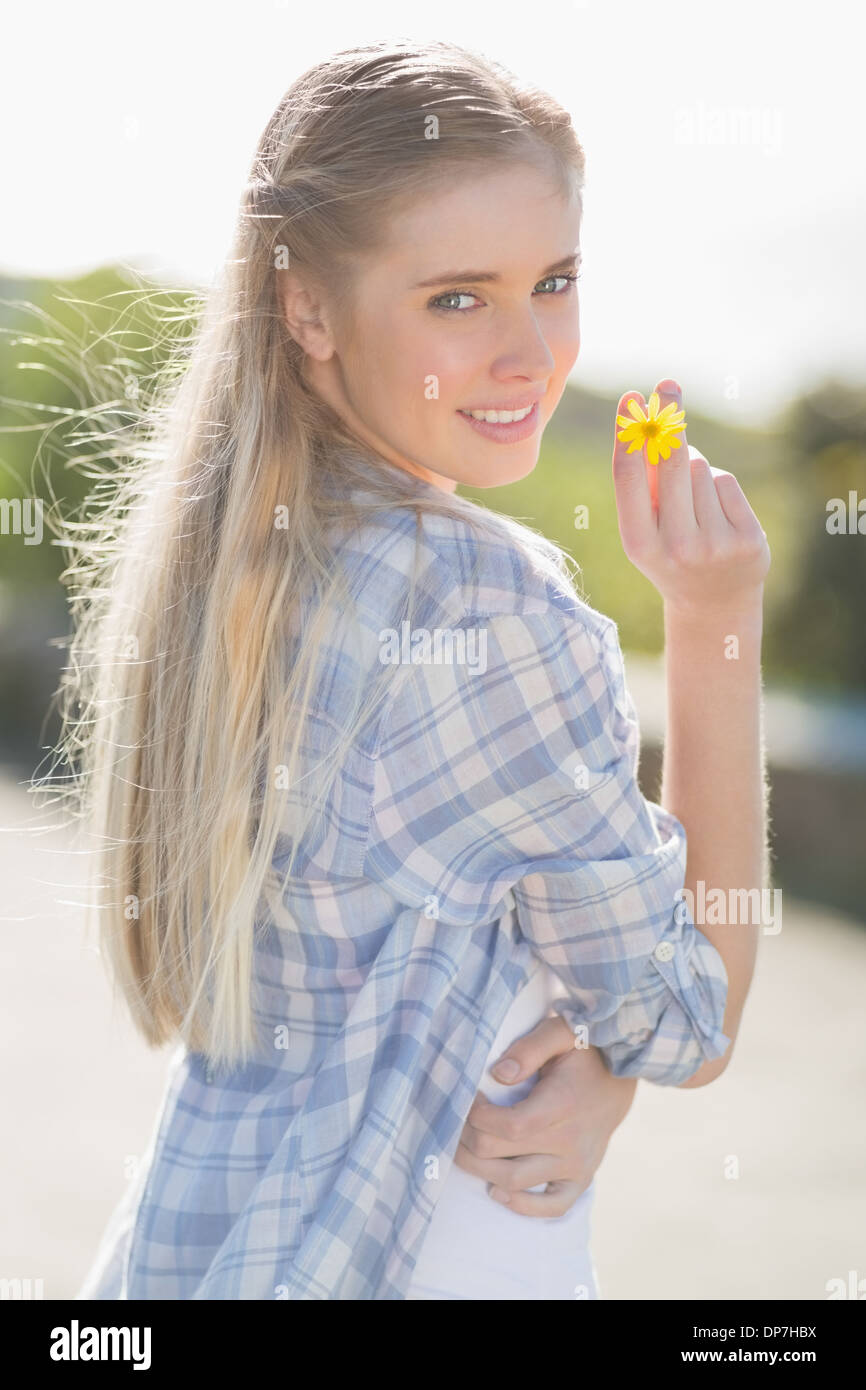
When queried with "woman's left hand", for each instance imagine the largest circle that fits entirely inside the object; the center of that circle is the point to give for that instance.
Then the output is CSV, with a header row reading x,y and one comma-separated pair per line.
x,y
558,1134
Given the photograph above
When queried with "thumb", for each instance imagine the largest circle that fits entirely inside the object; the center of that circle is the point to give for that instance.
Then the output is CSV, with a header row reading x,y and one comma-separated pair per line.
x,y
549,1038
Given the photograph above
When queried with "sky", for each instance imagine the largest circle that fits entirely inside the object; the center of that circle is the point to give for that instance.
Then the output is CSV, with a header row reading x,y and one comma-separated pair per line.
x,y
725,200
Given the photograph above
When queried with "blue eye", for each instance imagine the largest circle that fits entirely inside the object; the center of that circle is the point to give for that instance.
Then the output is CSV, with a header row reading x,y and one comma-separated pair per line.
x,y
435,304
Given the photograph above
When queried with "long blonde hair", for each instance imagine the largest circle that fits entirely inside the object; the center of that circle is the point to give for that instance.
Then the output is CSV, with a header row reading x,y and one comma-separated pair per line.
x,y
186,687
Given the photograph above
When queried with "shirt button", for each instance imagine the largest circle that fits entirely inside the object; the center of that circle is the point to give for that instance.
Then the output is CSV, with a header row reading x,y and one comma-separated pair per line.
x,y
664,950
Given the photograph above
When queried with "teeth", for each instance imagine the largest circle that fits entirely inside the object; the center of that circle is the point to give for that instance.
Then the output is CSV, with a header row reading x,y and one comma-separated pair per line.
x,y
498,417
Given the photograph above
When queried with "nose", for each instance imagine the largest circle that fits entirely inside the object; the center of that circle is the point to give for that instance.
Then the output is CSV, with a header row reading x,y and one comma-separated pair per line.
x,y
523,350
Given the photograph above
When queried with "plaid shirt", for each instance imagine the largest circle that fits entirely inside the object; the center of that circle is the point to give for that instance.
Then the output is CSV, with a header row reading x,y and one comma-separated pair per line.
x,y
489,814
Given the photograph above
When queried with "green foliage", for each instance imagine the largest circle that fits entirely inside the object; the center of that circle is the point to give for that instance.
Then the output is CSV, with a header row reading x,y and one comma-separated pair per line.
x,y
76,358
815,609
819,626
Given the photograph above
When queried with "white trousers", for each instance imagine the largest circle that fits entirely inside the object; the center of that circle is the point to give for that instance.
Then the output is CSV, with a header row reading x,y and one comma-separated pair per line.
x,y
476,1248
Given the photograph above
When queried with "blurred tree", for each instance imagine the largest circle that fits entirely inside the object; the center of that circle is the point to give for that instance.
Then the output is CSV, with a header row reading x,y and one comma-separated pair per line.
x,y
574,472
75,360
818,634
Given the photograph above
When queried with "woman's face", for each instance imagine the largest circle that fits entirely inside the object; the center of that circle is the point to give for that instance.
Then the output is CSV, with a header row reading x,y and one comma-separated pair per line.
x,y
468,309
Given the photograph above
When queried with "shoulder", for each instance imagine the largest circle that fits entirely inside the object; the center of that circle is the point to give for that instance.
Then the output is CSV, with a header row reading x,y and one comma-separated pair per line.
x,y
469,567
500,639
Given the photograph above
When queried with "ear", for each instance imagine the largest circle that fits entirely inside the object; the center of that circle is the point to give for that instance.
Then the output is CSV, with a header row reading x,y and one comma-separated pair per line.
x,y
306,315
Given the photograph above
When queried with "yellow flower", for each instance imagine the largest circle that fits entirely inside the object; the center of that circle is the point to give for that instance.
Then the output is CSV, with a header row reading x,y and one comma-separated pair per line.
x,y
657,429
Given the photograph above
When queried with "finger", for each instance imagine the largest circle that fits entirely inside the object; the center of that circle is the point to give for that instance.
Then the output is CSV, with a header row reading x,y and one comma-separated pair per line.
x,y
556,1201
483,1146
555,1138
483,1165
548,1103
676,506
481,1107
708,509
734,503
634,500
549,1038
514,1174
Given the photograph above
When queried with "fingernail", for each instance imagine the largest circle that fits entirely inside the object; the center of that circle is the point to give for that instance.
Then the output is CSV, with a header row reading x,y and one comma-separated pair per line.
x,y
500,1195
507,1070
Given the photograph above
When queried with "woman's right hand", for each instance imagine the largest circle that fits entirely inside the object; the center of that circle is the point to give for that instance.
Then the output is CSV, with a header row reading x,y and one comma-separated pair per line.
x,y
687,526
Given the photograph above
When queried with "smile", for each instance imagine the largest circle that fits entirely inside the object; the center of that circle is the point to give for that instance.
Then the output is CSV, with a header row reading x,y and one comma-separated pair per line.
x,y
504,426
498,417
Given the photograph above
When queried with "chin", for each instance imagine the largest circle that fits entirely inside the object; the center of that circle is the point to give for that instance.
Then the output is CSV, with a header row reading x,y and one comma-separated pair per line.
x,y
509,471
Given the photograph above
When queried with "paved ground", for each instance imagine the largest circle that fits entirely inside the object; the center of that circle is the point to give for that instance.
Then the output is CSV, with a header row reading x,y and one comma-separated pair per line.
x,y
79,1093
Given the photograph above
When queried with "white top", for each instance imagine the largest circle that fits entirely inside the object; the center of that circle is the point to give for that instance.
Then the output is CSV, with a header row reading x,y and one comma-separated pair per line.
x,y
476,1248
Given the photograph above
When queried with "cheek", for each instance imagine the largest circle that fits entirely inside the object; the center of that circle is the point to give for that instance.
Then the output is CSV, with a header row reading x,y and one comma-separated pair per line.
x,y
565,347
401,361
432,369
377,356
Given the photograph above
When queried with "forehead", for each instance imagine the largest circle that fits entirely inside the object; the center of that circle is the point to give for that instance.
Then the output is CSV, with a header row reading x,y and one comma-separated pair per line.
x,y
511,220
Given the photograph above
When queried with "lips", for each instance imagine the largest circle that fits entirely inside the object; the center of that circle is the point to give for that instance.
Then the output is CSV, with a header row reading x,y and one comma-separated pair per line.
x,y
505,433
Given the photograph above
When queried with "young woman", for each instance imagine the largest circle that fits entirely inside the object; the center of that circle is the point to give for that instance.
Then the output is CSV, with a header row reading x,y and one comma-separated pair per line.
x,y
363,761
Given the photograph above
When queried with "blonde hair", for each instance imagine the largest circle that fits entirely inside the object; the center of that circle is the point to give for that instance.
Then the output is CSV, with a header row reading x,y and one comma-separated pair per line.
x,y
185,684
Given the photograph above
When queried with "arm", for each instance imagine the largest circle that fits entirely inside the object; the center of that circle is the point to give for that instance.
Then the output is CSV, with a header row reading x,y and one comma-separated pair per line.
x,y
690,530
713,780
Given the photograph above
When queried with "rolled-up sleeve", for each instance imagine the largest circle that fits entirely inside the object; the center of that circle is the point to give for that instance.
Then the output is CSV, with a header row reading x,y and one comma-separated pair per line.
x,y
513,784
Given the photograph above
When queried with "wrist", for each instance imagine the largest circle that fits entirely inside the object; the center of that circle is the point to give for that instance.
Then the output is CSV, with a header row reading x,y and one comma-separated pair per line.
x,y
746,608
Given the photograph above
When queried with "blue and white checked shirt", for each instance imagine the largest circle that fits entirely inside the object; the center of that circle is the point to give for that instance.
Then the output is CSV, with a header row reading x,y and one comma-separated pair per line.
x,y
488,814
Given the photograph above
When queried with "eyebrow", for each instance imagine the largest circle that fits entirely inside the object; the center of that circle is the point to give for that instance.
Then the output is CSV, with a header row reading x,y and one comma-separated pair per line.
x,y
489,276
